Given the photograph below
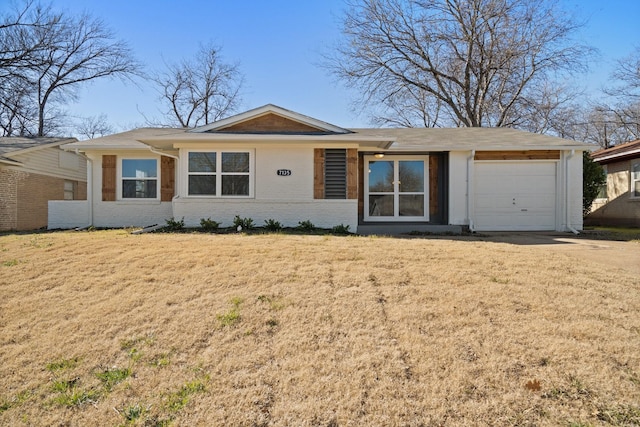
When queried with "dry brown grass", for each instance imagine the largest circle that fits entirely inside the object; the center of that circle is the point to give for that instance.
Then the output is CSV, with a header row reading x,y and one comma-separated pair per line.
x,y
275,330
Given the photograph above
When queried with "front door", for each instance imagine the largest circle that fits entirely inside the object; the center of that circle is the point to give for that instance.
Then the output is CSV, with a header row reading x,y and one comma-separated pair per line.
x,y
396,188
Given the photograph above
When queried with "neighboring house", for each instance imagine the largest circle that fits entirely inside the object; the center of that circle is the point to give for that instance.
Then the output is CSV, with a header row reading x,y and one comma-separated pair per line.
x,y
32,172
619,201
272,163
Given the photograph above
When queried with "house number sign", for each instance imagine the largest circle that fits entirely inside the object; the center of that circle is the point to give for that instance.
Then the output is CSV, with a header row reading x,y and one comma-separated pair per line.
x,y
284,172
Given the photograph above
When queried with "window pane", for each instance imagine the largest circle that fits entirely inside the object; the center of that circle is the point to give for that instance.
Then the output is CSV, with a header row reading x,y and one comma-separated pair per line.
x,y
139,168
411,176
235,185
636,190
411,205
202,162
235,162
202,185
381,205
381,176
139,189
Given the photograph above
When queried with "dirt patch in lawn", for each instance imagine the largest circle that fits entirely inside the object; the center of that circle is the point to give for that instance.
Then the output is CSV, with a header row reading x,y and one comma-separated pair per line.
x,y
106,328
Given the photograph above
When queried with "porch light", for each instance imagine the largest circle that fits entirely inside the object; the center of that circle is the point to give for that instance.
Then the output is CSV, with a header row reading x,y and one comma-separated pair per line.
x,y
378,155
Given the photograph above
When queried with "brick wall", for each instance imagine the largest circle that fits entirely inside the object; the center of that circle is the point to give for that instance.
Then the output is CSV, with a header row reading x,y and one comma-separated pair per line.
x,y
8,199
24,198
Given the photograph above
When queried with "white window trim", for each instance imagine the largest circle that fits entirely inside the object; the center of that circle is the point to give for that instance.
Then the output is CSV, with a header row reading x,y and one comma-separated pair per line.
x,y
120,178
633,181
218,173
394,218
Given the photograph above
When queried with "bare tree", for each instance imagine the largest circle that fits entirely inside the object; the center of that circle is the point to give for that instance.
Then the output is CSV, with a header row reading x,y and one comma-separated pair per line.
x,y
201,90
478,62
93,127
52,54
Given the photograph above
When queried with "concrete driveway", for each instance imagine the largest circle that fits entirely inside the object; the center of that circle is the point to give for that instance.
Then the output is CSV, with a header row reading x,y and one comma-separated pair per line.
x,y
608,253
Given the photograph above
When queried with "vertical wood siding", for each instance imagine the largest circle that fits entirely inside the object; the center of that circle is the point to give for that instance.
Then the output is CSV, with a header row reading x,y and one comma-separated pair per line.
x,y
318,173
108,178
167,178
352,173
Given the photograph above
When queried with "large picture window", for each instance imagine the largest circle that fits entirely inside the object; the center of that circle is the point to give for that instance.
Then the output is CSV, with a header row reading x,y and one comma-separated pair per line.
x,y
139,178
219,173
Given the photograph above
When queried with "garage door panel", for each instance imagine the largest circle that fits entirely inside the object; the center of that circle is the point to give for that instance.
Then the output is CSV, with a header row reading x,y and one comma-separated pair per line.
x,y
515,195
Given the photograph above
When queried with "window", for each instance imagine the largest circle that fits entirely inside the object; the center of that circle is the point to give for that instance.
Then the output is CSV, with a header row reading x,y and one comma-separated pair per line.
x,y
635,179
396,189
219,173
139,179
602,191
68,190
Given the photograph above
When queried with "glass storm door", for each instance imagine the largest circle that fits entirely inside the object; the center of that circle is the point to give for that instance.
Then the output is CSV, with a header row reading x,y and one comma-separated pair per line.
x,y
396,188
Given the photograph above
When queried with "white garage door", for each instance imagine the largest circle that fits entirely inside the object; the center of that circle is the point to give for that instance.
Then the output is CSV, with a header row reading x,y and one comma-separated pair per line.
x,y
511,196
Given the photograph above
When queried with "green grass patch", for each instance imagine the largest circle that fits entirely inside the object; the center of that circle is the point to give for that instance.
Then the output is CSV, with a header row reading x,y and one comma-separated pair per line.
x,y
76,397
63,364
178,400
232,316
112,377
10,263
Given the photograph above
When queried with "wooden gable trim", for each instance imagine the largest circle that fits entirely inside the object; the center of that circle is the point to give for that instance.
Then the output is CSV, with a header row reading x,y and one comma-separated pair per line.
x,y
167,178
108,178
270,123
318,173
518,155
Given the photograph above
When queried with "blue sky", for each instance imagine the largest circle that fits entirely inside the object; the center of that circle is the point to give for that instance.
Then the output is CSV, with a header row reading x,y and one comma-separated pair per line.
x,y
278,44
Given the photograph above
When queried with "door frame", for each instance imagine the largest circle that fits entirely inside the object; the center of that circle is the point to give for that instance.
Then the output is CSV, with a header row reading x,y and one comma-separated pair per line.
x,y
396,190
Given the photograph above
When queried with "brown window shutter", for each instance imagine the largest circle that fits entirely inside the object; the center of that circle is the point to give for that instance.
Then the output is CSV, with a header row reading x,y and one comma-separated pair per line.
x,y
352,173
318,173
168,178
108,178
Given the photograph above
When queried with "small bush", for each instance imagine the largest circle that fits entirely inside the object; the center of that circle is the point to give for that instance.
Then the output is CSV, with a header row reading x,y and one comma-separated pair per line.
x,y
209,224
174,225
243,223
272,225
340,229
306,226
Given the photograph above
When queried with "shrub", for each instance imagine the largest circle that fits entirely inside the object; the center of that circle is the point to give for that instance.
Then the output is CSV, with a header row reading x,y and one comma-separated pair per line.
x,y
244,223
174,225
272,225
209,224
593,177
340,229
306,226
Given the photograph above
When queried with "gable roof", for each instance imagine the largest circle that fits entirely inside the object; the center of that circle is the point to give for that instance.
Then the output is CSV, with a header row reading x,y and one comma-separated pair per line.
x,y
470,138
273,124
618,152
253,121
12,145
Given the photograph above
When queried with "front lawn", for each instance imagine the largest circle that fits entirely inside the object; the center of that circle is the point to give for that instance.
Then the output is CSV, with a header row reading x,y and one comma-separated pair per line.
x,y
109,328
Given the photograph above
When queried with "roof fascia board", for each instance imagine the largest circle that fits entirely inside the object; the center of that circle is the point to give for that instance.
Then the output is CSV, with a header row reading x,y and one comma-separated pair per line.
x,y
10,161
617,155
41,147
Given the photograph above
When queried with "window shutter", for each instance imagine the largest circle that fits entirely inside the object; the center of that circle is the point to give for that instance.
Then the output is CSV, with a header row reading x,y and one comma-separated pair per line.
x,y
108,178
167,178
352,173
318,173
335,173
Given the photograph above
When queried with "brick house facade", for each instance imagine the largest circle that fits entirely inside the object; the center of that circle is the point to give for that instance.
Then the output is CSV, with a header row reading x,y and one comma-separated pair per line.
x,y
34,171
